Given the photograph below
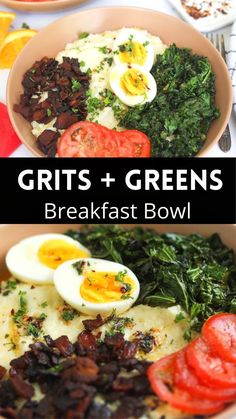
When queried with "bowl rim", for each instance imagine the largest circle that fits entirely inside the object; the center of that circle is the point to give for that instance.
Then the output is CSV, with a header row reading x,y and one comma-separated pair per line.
x,y
228,85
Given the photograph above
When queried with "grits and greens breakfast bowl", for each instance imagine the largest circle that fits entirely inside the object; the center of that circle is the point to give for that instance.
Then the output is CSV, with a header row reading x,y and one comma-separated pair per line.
x,y
119,82
117,322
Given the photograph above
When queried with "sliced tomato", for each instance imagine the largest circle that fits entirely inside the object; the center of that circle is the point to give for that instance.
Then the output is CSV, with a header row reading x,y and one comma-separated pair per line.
x,y
209,367
161,377
185,378
83,139
141,143
87,139
219,331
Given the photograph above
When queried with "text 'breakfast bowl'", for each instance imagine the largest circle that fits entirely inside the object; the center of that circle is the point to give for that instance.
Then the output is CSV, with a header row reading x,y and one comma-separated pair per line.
x,y
119,82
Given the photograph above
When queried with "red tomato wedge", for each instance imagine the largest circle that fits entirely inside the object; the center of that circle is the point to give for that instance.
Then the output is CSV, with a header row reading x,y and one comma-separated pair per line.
x,y
209,367
219,331
161,377
87,139
185,378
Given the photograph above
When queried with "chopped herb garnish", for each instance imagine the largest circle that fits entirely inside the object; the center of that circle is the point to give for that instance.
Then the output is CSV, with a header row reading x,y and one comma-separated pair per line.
x,y
126,297
109,61
75,85
25,25
68,315
120,276
82,63
57,368
12,345
22,311
74,110
33,330
49,112
128,46
79,266
43,316
106,98
44,304
104,50
83,35
118,324
179,317
9,286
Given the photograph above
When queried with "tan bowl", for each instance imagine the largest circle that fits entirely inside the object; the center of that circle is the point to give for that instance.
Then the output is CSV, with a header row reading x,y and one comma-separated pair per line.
x,y
54,37
11,234
40,6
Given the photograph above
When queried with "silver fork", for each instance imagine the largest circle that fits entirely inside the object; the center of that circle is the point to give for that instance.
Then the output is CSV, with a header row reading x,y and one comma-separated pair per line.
x,y
219,43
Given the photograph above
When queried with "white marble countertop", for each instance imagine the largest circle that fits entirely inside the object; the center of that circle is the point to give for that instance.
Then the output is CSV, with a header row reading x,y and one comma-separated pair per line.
x,y
39,20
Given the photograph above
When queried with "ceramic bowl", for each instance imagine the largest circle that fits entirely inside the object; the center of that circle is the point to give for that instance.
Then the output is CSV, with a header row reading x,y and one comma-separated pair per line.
x,y
12,233
53,38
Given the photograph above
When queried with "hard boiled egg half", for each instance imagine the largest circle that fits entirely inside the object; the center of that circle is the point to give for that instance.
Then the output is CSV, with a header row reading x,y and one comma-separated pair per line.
x,y
130,78
132,84
134,46
35,259
95,286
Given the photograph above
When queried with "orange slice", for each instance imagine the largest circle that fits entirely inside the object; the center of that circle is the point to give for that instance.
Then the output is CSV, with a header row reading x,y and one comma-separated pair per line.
x,y
12,45
6,19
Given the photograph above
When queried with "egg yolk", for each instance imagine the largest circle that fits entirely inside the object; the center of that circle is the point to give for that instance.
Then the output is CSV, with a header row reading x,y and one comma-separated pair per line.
x,y
132,53
134,83
53,253
106,287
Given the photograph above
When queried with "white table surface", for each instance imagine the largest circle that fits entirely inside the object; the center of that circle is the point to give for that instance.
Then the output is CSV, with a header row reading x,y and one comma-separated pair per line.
x,y
39,20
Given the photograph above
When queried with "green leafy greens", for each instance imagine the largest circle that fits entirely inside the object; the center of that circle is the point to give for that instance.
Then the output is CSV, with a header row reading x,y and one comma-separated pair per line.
x,y
178,119
196,272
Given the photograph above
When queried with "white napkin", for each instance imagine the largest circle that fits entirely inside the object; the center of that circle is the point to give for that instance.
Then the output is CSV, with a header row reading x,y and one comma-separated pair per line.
x,y
231,60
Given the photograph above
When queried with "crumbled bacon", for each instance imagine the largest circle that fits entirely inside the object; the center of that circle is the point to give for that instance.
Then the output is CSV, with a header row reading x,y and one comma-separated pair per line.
x,y
116,341
93,324
65,120
47,142
62,343
65,86
21,388
130,350
87,340
70,377
2,372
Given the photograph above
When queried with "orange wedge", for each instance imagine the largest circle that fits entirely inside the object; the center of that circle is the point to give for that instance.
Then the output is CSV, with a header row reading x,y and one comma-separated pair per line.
x,y
6,19
12,45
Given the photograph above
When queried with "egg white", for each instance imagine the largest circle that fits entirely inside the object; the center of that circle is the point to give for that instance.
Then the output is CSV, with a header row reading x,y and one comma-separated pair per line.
x,y
139,36
115,77
68,282
23,263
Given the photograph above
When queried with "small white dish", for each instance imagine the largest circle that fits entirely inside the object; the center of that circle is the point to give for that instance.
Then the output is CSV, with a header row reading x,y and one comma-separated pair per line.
x,y
209,23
